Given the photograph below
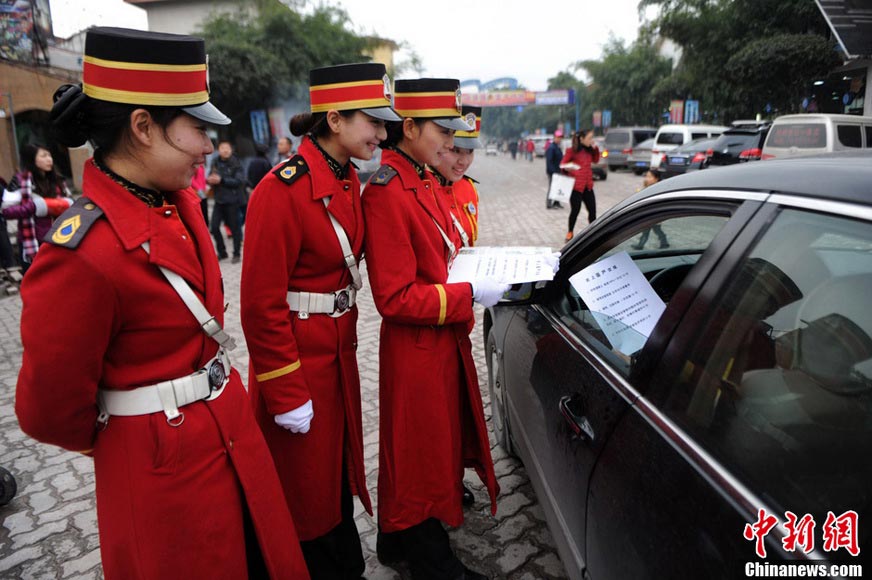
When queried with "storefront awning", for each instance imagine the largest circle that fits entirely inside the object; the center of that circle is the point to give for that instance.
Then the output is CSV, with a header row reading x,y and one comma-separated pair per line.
x,y
851,22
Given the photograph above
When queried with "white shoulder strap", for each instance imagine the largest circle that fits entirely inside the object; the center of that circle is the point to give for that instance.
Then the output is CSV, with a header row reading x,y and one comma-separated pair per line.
x,y
452,249
350,260
463,235
210,326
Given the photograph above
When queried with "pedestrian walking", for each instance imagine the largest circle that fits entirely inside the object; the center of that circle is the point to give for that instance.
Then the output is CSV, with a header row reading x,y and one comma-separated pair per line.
x,y
299,285
553,156
35,197
125,359
651,177
431,418
459,189
227,179
583,153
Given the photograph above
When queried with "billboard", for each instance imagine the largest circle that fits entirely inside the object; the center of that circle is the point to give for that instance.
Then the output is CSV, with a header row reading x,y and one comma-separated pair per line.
x,y
25,25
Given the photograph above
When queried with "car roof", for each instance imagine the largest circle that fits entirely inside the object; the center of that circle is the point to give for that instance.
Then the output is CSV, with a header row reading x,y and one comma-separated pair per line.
x,y
821,117
835,176
700,144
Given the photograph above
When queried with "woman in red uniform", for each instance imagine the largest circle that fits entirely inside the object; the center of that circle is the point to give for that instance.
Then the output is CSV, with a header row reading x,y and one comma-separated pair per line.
x,y
299,284
132,367
460,190
431,418
583,154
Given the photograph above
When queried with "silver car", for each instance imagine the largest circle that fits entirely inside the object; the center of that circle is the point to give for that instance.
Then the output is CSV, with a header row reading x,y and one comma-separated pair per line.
x,y
640,159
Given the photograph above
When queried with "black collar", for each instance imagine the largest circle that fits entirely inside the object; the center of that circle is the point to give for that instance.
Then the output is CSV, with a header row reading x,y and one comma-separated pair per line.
x,y
419,169
443,181
340,171
151,197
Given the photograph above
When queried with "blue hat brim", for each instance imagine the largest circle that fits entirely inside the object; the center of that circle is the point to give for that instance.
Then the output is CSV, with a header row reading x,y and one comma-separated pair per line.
x,y
209,113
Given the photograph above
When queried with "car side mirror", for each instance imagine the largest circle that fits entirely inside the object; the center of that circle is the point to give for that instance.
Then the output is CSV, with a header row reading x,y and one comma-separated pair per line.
x,y
524,293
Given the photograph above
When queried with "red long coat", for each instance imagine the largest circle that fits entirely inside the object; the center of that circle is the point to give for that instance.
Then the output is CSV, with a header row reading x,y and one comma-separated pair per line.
x,y
431,418
170,500
290,244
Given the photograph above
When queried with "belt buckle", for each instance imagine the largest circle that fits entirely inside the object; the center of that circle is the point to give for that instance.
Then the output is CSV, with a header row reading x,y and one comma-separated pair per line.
x,y
342,301
216,374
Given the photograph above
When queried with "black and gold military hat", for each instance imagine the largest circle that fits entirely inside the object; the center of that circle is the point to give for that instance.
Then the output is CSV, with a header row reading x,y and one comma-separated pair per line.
x,y
469,139
138,67
436,99
346,87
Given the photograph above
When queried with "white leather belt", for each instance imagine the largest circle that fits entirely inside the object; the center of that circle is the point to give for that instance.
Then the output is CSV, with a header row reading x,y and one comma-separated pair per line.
x,y
206,384
334,304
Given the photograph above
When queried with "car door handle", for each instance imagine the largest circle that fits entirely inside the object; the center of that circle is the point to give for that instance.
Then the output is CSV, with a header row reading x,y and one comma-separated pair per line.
x,y
578,423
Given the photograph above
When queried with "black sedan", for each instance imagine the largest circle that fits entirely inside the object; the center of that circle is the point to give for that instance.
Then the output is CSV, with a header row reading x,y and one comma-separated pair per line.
x,y
691,411
739,145
691,156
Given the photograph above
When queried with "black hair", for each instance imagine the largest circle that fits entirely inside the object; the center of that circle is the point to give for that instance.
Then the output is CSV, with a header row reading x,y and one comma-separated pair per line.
x,y
314,124
77,118
395,131
47,184
577,137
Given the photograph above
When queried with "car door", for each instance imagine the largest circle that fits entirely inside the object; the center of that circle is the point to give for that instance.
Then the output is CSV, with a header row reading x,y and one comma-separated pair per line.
x,y
761,406
566,387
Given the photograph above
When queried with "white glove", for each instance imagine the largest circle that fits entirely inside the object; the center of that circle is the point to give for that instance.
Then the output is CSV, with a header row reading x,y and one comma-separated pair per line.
x,y
554,261
11,198
488,291
297,420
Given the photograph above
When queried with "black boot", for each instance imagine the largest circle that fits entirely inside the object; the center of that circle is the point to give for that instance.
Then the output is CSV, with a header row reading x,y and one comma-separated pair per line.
x,y
472,575
389,548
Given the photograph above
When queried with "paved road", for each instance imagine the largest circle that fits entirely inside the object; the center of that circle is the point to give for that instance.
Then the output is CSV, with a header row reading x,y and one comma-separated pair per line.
x,y
50,529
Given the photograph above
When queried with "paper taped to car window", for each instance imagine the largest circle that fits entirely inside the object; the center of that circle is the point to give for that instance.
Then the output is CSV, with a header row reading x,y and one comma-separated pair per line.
x,y
621,300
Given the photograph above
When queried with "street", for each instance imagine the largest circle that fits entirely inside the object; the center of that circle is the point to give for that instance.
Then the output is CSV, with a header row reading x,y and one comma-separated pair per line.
x,y
49,530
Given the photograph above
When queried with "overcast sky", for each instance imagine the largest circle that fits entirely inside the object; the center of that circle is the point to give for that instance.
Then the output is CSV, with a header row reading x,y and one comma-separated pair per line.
x,y
473,39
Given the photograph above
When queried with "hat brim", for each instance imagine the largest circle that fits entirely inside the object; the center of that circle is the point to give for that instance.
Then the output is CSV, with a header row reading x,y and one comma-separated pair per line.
x,y
383,113
467,142
455,123
209,113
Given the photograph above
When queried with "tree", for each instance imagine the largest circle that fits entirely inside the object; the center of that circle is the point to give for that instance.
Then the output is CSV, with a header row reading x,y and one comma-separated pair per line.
x,y
256,61
741,55
624,81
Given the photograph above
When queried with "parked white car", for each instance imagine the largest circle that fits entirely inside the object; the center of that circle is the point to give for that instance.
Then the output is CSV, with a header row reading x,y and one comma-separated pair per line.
x,y
671,136
800,135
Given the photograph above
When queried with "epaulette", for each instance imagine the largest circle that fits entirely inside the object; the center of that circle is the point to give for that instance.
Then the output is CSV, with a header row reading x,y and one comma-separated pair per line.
x,y
470,178
291,170
72,225
384,174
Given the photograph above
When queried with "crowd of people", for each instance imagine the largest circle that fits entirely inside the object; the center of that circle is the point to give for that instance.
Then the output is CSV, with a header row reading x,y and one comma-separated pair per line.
x,y
195,474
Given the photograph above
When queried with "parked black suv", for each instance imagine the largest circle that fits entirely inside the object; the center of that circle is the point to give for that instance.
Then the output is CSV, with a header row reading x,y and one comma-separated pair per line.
x,y
740,143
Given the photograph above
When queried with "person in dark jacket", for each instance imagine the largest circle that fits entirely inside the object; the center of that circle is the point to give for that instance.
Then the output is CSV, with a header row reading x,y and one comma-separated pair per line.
x,y
553,155
227,179
259,165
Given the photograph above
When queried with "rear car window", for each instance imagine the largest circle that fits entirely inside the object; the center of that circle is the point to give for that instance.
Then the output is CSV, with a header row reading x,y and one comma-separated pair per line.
x,y
869,136
617,138
694,136
639,136
670,138
849,135
736,141
800,135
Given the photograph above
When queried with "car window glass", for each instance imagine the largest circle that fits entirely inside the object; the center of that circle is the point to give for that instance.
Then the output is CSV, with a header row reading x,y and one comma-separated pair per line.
x,y
800,135
868,136
778,384
849,135
670,138
617,138
664,251
698,136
